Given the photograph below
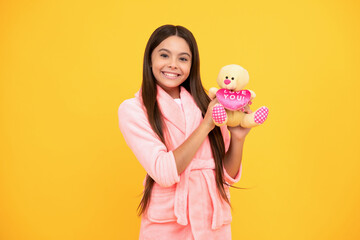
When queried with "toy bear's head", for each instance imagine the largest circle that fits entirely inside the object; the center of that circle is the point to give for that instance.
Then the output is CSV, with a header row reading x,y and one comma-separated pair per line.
x,y
233,77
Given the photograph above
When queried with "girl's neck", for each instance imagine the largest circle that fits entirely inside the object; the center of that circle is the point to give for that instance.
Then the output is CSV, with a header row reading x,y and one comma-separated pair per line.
x,y
173,92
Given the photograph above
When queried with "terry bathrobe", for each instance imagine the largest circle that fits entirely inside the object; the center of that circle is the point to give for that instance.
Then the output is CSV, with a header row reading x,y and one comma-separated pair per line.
x,y
185,206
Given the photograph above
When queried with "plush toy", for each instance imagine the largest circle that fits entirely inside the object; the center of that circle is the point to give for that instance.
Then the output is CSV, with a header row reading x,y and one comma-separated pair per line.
x,y
233,98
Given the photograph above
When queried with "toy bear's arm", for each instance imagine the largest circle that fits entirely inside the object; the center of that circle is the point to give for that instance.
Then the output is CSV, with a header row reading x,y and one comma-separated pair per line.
x,y
253,95
212,92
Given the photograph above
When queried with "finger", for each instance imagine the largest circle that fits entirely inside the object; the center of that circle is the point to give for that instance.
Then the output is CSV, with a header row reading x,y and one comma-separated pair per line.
x,y
213,102
247,109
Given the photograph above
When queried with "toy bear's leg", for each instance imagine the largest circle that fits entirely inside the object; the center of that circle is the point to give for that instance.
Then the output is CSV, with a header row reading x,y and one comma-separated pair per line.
x,y
219,115
255,118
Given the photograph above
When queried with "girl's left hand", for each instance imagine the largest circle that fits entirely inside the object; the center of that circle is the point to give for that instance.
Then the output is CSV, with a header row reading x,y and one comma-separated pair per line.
x,y
239,132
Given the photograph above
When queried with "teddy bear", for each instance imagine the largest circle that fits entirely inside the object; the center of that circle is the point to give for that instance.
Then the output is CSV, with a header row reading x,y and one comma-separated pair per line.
x,y
233,98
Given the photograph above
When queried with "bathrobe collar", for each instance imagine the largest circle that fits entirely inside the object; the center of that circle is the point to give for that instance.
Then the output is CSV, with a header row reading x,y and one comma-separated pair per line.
x,y
184,121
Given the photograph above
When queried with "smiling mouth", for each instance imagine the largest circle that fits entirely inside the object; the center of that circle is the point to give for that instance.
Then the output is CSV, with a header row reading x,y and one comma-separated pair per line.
x,y
170,75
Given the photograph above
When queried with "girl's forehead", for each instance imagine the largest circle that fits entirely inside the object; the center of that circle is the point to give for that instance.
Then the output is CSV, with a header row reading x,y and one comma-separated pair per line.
x,y
174,44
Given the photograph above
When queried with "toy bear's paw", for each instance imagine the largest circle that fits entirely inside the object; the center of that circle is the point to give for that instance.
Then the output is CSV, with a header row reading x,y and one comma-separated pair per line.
x,y
219,115
261,115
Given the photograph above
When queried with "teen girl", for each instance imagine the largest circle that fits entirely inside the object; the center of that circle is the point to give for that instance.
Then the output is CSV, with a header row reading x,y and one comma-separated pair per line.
x,y
190,163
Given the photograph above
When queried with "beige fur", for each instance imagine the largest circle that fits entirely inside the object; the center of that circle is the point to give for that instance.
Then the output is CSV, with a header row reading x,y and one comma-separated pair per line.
x,y
241,79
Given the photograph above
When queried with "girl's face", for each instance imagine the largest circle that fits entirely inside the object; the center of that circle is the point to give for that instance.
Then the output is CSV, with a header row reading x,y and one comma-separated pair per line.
x,y
171,63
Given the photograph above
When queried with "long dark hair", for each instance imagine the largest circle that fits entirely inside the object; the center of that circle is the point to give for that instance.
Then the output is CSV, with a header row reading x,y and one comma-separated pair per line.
x,y
194,86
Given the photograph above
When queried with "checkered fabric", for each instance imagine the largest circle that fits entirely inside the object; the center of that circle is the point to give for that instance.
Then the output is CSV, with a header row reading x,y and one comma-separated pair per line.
x,y
261,115
219,114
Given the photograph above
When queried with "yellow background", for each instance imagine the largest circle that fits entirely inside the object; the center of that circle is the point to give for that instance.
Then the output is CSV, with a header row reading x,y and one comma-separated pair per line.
x,y
65,66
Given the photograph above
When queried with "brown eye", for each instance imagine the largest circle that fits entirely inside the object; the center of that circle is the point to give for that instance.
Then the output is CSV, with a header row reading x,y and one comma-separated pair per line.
x,y
226,77
232,78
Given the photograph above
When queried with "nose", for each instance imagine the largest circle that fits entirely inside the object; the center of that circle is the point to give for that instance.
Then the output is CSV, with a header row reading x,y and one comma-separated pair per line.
x,y
172,64
227,81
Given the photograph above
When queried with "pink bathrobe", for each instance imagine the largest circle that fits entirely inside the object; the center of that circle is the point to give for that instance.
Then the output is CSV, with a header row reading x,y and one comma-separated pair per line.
x,y
185,206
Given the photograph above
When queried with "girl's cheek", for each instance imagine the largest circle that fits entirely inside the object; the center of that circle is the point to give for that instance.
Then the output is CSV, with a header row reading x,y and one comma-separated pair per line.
x,y
185,64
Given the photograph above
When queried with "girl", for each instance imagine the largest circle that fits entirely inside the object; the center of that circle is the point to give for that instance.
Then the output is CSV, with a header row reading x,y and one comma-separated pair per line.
x,y
190,163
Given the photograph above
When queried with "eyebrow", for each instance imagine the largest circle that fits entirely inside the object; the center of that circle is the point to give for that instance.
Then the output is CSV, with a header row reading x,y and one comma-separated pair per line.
x,y
164,49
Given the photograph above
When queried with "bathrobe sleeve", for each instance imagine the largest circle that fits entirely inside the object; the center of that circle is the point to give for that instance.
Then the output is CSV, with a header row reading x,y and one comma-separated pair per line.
x,y
226,136
152,154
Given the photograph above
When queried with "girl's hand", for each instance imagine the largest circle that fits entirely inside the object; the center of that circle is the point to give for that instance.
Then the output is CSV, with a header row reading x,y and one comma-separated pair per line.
x,y
208,120
239,132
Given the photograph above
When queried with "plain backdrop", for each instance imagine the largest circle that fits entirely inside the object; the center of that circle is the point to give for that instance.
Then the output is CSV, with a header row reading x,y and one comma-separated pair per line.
x,y
65,67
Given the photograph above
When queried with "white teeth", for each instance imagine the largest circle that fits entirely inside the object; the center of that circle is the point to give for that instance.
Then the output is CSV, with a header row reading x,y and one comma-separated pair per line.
x,y
170,74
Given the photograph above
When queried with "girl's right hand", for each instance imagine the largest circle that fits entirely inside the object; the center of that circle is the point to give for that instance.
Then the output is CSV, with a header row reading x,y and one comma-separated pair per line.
x,y
208,120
